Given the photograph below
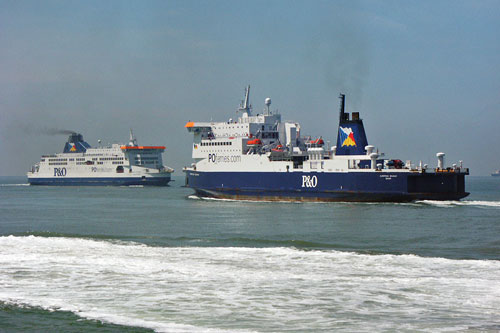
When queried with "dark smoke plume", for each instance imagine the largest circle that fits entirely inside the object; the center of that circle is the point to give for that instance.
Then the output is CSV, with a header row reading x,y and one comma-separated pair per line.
x,y
35,130
56,131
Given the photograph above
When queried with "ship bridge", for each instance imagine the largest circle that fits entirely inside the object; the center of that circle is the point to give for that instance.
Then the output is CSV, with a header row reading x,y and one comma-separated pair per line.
x,y
197,127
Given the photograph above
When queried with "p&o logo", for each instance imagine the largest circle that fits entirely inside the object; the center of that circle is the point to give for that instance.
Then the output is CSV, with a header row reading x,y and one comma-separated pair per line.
x,y
309,181
59,172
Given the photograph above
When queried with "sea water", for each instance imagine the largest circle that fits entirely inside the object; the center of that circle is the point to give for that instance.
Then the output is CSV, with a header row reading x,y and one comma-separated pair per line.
x,y
132,259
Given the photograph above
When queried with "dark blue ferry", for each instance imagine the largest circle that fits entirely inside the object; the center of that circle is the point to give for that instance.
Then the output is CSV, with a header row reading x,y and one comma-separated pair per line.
x,y
259,157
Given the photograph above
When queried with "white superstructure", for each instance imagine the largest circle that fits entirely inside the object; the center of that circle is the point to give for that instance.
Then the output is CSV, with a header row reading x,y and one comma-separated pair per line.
x,y
263,143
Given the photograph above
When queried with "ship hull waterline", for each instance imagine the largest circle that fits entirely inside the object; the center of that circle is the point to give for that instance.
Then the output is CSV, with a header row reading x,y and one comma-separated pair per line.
x,y
329,187
101,181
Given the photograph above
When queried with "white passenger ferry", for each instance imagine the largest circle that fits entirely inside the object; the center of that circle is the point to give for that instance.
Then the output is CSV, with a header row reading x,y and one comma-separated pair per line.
x,y
80,164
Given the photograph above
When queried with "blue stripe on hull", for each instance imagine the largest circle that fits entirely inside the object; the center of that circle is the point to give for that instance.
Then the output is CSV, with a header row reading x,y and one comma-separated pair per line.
x,y
366,186
104,181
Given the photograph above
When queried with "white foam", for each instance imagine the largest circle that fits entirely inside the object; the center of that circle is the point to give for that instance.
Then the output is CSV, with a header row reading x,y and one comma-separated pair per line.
x,y
195,197
14,185
247,289
448,204
115,319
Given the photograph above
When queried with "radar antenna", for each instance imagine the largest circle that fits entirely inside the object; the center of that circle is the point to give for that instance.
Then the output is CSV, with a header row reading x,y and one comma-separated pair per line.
x,y
268,104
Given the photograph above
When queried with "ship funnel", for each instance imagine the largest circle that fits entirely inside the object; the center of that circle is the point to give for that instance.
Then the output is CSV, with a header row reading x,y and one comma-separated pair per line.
x,y
75,144
75,137
351,139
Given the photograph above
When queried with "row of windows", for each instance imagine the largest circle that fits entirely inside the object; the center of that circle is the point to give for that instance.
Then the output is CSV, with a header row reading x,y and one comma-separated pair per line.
x,y
270,135
82,162
146,159
221,150
82,159
146,153
144,163
217,143
111,159
230,127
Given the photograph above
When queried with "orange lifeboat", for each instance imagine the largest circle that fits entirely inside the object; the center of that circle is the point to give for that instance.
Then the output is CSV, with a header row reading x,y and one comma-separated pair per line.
x,y
254,142
319,141
278,148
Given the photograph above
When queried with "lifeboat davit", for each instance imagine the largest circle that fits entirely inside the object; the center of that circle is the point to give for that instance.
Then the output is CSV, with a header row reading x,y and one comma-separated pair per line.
x,y
254,142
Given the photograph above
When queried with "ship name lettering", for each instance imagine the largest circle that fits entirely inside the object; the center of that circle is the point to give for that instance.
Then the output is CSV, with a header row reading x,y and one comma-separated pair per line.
x,y
309,181
59,172
223,159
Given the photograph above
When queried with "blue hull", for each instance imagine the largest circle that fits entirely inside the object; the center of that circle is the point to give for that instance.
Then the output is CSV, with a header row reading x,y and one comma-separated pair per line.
x,y
105,181
354,186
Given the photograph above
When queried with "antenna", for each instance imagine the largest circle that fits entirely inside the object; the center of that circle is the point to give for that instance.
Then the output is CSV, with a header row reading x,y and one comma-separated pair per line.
x,y
133,141
245,104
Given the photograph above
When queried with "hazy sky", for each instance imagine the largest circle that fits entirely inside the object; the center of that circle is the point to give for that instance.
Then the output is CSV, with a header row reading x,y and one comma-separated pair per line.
x,y
425,75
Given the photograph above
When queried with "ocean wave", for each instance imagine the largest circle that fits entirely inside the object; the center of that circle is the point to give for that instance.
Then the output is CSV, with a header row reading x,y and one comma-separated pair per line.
x,y
448,204
167,241
213,289
115,319
14,185
196,197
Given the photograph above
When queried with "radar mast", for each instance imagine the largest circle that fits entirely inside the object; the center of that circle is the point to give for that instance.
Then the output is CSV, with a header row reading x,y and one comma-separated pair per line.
x,y
245,106
133,140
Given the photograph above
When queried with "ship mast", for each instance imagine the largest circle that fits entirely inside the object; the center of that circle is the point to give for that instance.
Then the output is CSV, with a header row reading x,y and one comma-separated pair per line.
x,y
133,140
245,106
